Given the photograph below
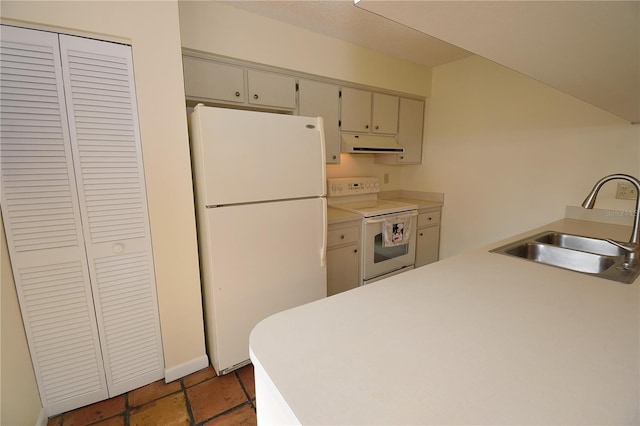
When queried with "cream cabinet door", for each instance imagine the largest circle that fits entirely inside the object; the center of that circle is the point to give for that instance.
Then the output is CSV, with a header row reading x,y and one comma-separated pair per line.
x,y
410,129
343,269
427,245
271,89
355,110
384,114
207,80
316,99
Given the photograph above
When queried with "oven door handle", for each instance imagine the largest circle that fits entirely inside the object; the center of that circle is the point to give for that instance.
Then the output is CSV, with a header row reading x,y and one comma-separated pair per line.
x,y
380,220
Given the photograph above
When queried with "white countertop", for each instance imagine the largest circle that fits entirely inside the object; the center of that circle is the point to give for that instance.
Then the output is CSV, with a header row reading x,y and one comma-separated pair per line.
x,y
339,216
479,338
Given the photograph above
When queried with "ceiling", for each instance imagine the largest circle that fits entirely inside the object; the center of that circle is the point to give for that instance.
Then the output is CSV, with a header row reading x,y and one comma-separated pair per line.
x,y
342,20
588,49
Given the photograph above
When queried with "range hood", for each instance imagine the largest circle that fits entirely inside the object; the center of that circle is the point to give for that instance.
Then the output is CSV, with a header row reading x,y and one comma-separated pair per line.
x,y
370,144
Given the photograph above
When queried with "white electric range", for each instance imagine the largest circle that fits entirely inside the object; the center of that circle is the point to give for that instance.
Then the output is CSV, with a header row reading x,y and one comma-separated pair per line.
x,y
388,245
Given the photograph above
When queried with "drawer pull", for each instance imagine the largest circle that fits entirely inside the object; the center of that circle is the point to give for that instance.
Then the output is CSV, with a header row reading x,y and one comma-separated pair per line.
x,y
342,237
355,250
255,96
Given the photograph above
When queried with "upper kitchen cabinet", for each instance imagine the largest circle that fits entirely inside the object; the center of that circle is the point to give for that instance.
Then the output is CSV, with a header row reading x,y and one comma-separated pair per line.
x,y
356,110
410,129
204,79
384,114
317,99
270,89
215,82
363,111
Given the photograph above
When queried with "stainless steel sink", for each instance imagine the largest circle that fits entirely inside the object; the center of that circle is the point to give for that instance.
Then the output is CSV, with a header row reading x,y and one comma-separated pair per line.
x,y
557,256
577,242
576,253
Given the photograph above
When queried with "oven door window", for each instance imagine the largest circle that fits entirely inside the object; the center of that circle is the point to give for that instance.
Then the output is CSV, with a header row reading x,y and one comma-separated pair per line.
x,y
382,253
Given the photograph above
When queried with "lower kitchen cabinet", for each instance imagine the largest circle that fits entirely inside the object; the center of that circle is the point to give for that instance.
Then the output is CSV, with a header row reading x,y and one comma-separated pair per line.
x,y
428,237
343,257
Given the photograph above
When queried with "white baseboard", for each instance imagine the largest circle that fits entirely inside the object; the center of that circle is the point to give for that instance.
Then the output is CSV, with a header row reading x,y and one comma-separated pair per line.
x,y
179,371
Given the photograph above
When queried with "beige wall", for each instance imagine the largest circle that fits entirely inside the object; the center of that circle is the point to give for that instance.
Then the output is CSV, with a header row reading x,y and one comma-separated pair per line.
x,y
221,29
217,28
152,28
510,153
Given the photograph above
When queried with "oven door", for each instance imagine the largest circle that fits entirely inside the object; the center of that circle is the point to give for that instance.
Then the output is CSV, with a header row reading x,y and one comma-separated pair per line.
x,y
378,259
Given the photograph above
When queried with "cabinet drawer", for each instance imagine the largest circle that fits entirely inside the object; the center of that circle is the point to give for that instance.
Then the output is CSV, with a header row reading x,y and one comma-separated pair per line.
x,y
428,218
338,237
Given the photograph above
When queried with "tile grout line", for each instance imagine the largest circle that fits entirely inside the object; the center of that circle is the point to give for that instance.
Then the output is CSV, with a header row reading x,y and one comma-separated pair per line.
x,y
192,419
126,409
244,389
230,410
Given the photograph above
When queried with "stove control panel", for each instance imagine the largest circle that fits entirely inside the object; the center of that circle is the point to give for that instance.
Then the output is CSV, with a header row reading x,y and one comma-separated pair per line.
x,y
338,187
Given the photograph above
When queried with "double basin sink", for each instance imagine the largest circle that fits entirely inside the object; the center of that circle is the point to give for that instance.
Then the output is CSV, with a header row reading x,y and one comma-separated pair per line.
x,y
576,253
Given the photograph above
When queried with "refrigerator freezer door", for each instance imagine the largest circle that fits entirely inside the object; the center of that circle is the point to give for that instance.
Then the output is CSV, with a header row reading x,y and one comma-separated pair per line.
x,y
263,258
247,156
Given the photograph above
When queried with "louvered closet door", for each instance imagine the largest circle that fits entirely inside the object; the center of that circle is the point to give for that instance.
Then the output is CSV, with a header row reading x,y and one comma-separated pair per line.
x,y
108,162
41,216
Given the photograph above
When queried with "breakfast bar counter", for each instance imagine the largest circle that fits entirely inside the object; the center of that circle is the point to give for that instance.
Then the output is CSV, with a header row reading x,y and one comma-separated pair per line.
x,y
479,338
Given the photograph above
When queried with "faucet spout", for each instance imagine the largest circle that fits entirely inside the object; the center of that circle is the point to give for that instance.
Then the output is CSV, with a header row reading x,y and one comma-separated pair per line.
x,y
590,201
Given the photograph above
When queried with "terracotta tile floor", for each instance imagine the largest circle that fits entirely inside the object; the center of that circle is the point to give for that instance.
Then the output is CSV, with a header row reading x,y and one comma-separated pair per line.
x,y
201,398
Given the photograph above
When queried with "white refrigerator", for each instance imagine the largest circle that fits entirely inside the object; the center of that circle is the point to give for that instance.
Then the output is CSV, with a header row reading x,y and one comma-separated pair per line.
x,y
260,199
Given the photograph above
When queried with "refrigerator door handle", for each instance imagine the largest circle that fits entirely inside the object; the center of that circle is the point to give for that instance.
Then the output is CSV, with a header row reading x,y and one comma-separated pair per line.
x,y
323,252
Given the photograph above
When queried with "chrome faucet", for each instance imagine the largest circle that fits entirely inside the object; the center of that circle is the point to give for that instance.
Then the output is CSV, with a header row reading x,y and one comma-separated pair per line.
x,y
632,248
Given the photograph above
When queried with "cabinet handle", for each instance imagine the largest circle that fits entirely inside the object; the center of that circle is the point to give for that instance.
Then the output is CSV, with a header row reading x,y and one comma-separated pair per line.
x,y
342,237
402,157
237,94
366,126
377,127
255,96
355,250
421,234
335,156
429,218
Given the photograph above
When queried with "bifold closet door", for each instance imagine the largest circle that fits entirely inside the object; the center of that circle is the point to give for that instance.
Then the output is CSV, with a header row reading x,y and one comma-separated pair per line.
x,y
41,214
105,141
75,213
